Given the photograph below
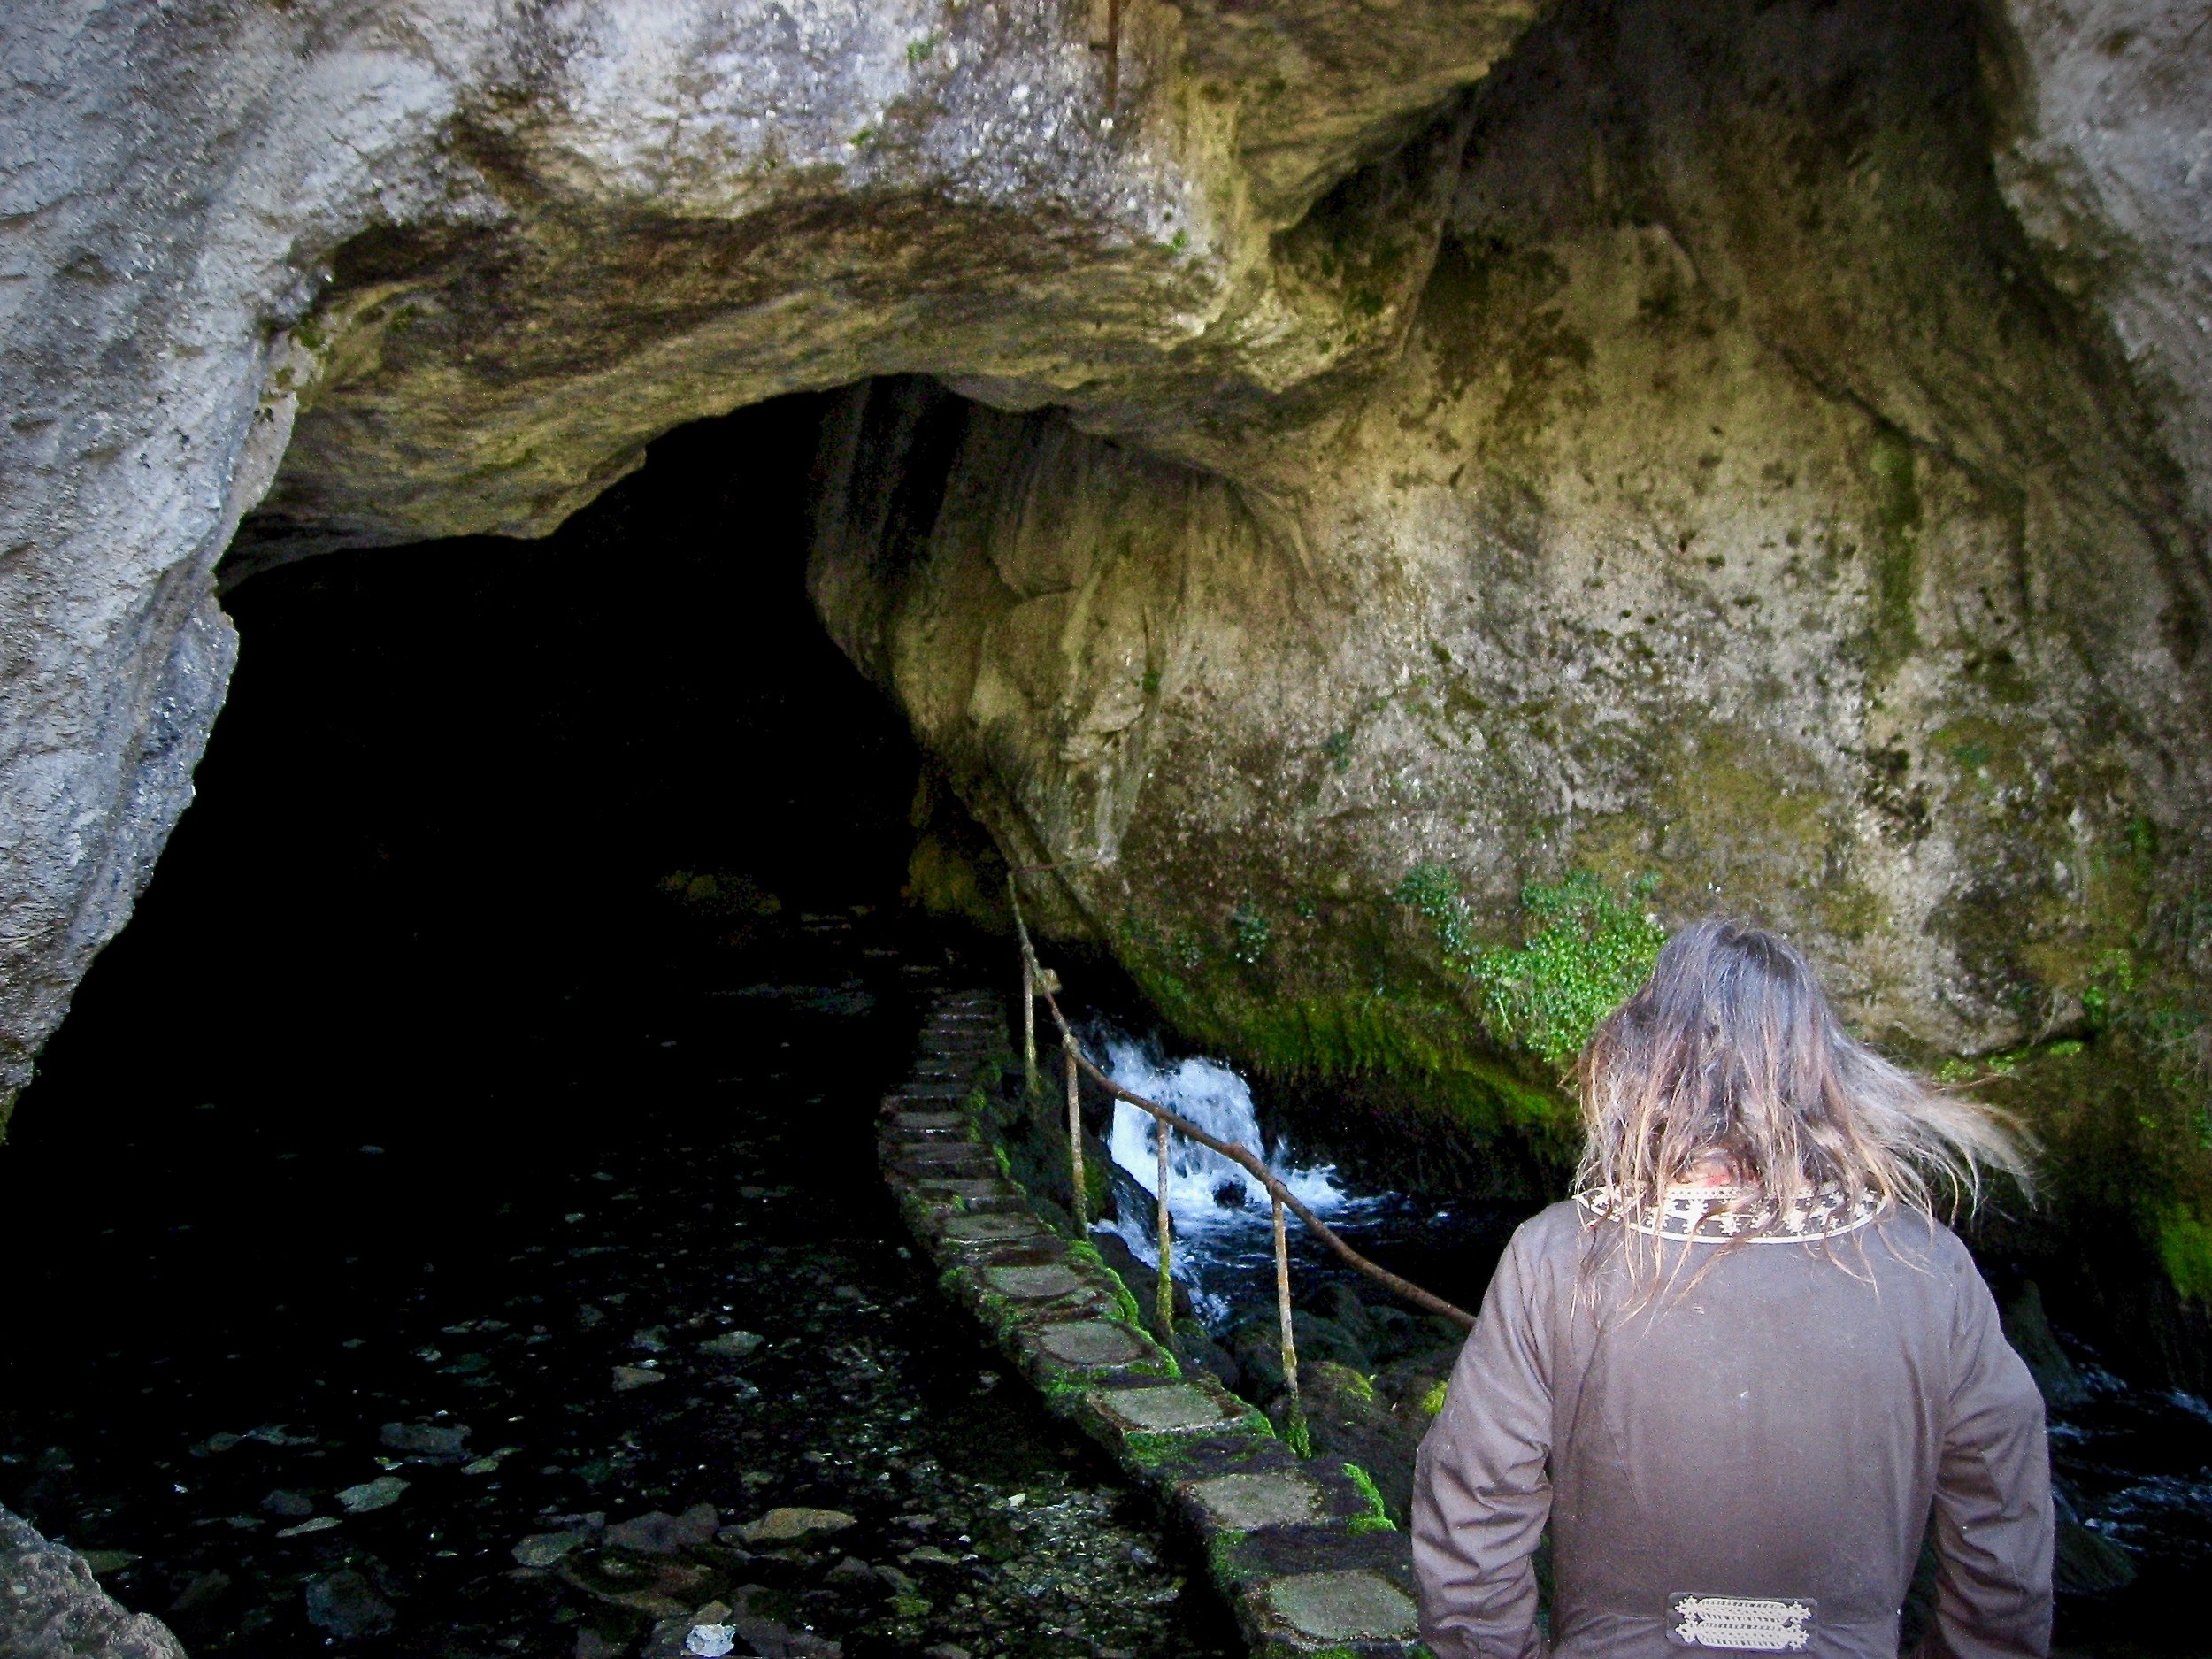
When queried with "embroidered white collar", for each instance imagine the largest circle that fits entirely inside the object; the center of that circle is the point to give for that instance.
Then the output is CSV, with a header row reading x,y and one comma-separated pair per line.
x,y
1717,1213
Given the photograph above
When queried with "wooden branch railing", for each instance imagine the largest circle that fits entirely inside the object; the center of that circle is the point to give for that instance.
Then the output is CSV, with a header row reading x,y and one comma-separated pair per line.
x,y
1038,982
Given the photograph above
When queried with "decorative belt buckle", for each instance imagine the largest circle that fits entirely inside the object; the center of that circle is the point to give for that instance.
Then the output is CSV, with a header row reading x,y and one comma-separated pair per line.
x,y
1740,1624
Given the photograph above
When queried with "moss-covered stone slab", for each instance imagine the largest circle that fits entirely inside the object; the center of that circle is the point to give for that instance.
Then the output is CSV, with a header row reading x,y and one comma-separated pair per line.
x,y
1338,1607
1175,1409
1035,1283
940,1154
984,1195
952,1092
931,1122
1086,1344
1269,1520
964,1229
1244,1503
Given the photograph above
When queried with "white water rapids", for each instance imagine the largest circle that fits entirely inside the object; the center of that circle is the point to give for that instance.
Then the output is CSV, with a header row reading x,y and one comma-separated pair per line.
x,y
1221,1212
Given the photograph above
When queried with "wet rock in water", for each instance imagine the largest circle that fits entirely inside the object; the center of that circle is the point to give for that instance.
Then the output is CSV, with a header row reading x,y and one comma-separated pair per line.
x,y
425,1440
345,1605
629,1377
794,1525
658,1534
1349,1423
770,1637
203,1590
379,1494
591,1645
278,1434
853,1573
1340,1305
490,1462
53,1608
711,1642
732,1345
542,1549
1256,1345
930,1555
320,1524
2084,1561
103,1562
290,1504
1195,1346
2028,1328
945,1650
652,1339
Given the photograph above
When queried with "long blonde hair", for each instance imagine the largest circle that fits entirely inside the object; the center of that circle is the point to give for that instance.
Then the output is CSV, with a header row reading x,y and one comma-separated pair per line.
x,y
1732,1049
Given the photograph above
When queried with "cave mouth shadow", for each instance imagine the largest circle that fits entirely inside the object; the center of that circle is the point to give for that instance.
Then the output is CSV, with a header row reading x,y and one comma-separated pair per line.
x,y
452,777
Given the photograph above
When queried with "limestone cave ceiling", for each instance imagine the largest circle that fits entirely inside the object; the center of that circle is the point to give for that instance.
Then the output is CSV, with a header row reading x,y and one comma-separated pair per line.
x,y
1309,471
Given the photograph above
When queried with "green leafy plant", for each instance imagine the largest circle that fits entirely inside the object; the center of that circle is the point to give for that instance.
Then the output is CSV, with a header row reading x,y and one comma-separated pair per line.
x,y
2113,979
1591,947
1594,949
1433,890
1252,934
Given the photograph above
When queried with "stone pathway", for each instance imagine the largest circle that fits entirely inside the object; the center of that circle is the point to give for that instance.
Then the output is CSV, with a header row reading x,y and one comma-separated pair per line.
x,y
1297,1549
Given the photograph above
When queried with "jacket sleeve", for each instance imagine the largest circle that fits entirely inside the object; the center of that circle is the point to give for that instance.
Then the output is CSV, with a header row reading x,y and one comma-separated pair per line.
x,y
1481,1491
1992,1498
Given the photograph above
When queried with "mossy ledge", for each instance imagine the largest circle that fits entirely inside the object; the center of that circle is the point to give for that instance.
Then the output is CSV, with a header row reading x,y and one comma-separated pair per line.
x,y
1302,1552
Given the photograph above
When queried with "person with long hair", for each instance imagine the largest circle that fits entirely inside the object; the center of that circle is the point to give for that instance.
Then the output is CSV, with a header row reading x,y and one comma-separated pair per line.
x,y
1739,1370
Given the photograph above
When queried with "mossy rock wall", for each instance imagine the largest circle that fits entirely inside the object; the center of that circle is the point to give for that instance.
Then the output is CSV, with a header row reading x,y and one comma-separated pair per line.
x,y
1746,525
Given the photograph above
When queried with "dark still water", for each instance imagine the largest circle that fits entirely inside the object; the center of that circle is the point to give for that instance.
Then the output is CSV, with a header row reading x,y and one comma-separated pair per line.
x,y
471,1142
299,1385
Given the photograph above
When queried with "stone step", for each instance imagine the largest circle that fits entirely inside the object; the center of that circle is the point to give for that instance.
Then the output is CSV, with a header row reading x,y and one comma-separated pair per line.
x,y
1293,1546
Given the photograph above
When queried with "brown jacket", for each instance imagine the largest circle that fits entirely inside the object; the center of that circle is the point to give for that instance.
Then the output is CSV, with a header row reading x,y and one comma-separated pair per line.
x,y
1753,1460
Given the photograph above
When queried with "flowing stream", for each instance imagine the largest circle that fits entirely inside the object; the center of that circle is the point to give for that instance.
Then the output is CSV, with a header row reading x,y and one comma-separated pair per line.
x,y
315,1374
1223,1218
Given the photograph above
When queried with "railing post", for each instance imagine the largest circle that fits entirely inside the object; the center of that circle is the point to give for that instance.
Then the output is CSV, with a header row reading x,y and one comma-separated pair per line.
x,y
1298,1437
1075,1143
1164,1291
1029,1027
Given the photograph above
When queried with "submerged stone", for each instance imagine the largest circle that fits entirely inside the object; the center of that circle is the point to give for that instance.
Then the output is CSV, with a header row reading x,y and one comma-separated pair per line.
x,y
659,1533
379,1494
427,1439
542,1549
344,1604
794,1524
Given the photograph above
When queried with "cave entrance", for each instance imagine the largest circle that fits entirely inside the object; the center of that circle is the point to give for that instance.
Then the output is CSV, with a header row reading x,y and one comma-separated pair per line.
x,y
471,1140
452,777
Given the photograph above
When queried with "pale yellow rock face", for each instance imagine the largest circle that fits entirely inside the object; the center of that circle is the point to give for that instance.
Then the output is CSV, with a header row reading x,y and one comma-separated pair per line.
x,y
1740,512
